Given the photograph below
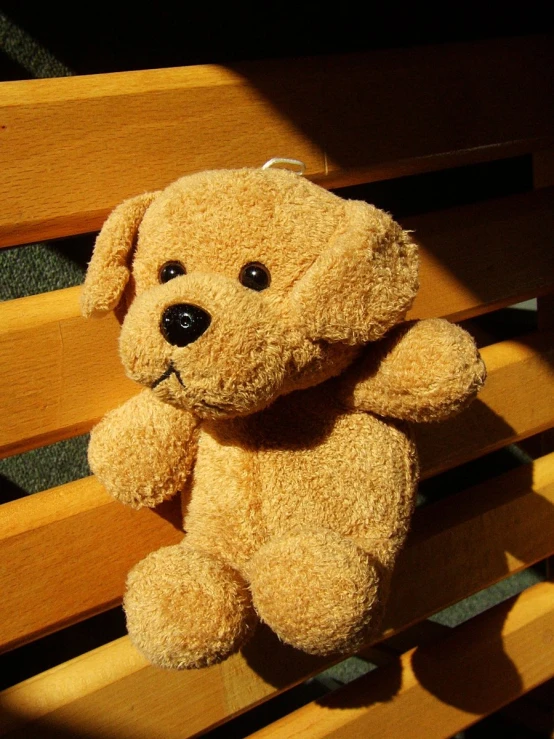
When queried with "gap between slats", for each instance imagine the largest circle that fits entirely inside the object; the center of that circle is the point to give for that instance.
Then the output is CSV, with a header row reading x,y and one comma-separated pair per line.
x,y
60,374
489,532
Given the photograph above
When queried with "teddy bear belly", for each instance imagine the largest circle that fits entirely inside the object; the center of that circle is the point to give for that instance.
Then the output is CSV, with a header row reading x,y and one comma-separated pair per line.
x,y
359,482
355,474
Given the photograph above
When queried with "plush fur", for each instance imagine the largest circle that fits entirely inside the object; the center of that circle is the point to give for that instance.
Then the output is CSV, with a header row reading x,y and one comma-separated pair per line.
x,y
282,424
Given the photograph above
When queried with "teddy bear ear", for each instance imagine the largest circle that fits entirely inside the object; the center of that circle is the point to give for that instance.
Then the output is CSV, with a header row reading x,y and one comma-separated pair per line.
x,y
109,269
363,283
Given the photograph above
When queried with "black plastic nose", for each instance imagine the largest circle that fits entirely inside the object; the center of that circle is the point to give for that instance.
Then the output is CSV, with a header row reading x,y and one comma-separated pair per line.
x,y
182,324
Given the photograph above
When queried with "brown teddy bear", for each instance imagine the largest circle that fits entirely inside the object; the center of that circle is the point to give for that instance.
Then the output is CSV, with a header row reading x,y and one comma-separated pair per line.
x,y
264,317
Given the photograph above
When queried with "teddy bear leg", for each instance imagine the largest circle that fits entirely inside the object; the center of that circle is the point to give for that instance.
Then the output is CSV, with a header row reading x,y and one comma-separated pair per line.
x,y
317,590
186,608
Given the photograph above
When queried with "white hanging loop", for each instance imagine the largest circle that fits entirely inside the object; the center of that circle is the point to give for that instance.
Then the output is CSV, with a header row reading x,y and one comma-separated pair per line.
x,y
295,165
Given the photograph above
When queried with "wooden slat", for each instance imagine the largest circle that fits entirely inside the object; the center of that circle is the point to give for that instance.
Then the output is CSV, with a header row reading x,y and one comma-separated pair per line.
x,y
543,177
73,545
543,168
74,147
441,689
351,118
503,526
51,393
59,374
484,530
98,531
397,102
484,256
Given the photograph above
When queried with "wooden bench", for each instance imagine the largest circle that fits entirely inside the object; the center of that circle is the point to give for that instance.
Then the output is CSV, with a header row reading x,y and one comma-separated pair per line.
x,y
72,148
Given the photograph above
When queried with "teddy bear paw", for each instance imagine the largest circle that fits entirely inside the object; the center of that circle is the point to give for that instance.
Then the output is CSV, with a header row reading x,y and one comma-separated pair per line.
x,y
185,608
317,590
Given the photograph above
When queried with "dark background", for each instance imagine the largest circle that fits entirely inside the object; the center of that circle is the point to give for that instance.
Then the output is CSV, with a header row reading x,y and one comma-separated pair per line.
x,y
89,38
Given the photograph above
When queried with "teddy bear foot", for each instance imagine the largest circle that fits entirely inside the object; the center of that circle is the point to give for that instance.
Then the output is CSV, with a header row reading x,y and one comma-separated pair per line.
x,y
317,590
185,608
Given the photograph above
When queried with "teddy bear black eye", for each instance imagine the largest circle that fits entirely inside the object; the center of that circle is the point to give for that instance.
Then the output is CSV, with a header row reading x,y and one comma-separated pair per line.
x,y
170,270
255,276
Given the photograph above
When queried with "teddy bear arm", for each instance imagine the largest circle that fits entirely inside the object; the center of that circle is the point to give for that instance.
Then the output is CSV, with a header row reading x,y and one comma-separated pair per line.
x,y
143,451
422,371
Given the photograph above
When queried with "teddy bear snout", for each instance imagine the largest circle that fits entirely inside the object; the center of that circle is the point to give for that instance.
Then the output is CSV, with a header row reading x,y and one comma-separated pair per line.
x,y
183,323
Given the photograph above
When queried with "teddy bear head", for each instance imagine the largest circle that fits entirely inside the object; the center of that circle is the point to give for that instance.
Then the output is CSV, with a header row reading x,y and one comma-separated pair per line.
x,y
241,285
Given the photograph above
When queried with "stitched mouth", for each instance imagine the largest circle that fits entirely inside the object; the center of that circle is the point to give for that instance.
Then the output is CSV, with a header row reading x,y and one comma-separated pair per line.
x,y
171,370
